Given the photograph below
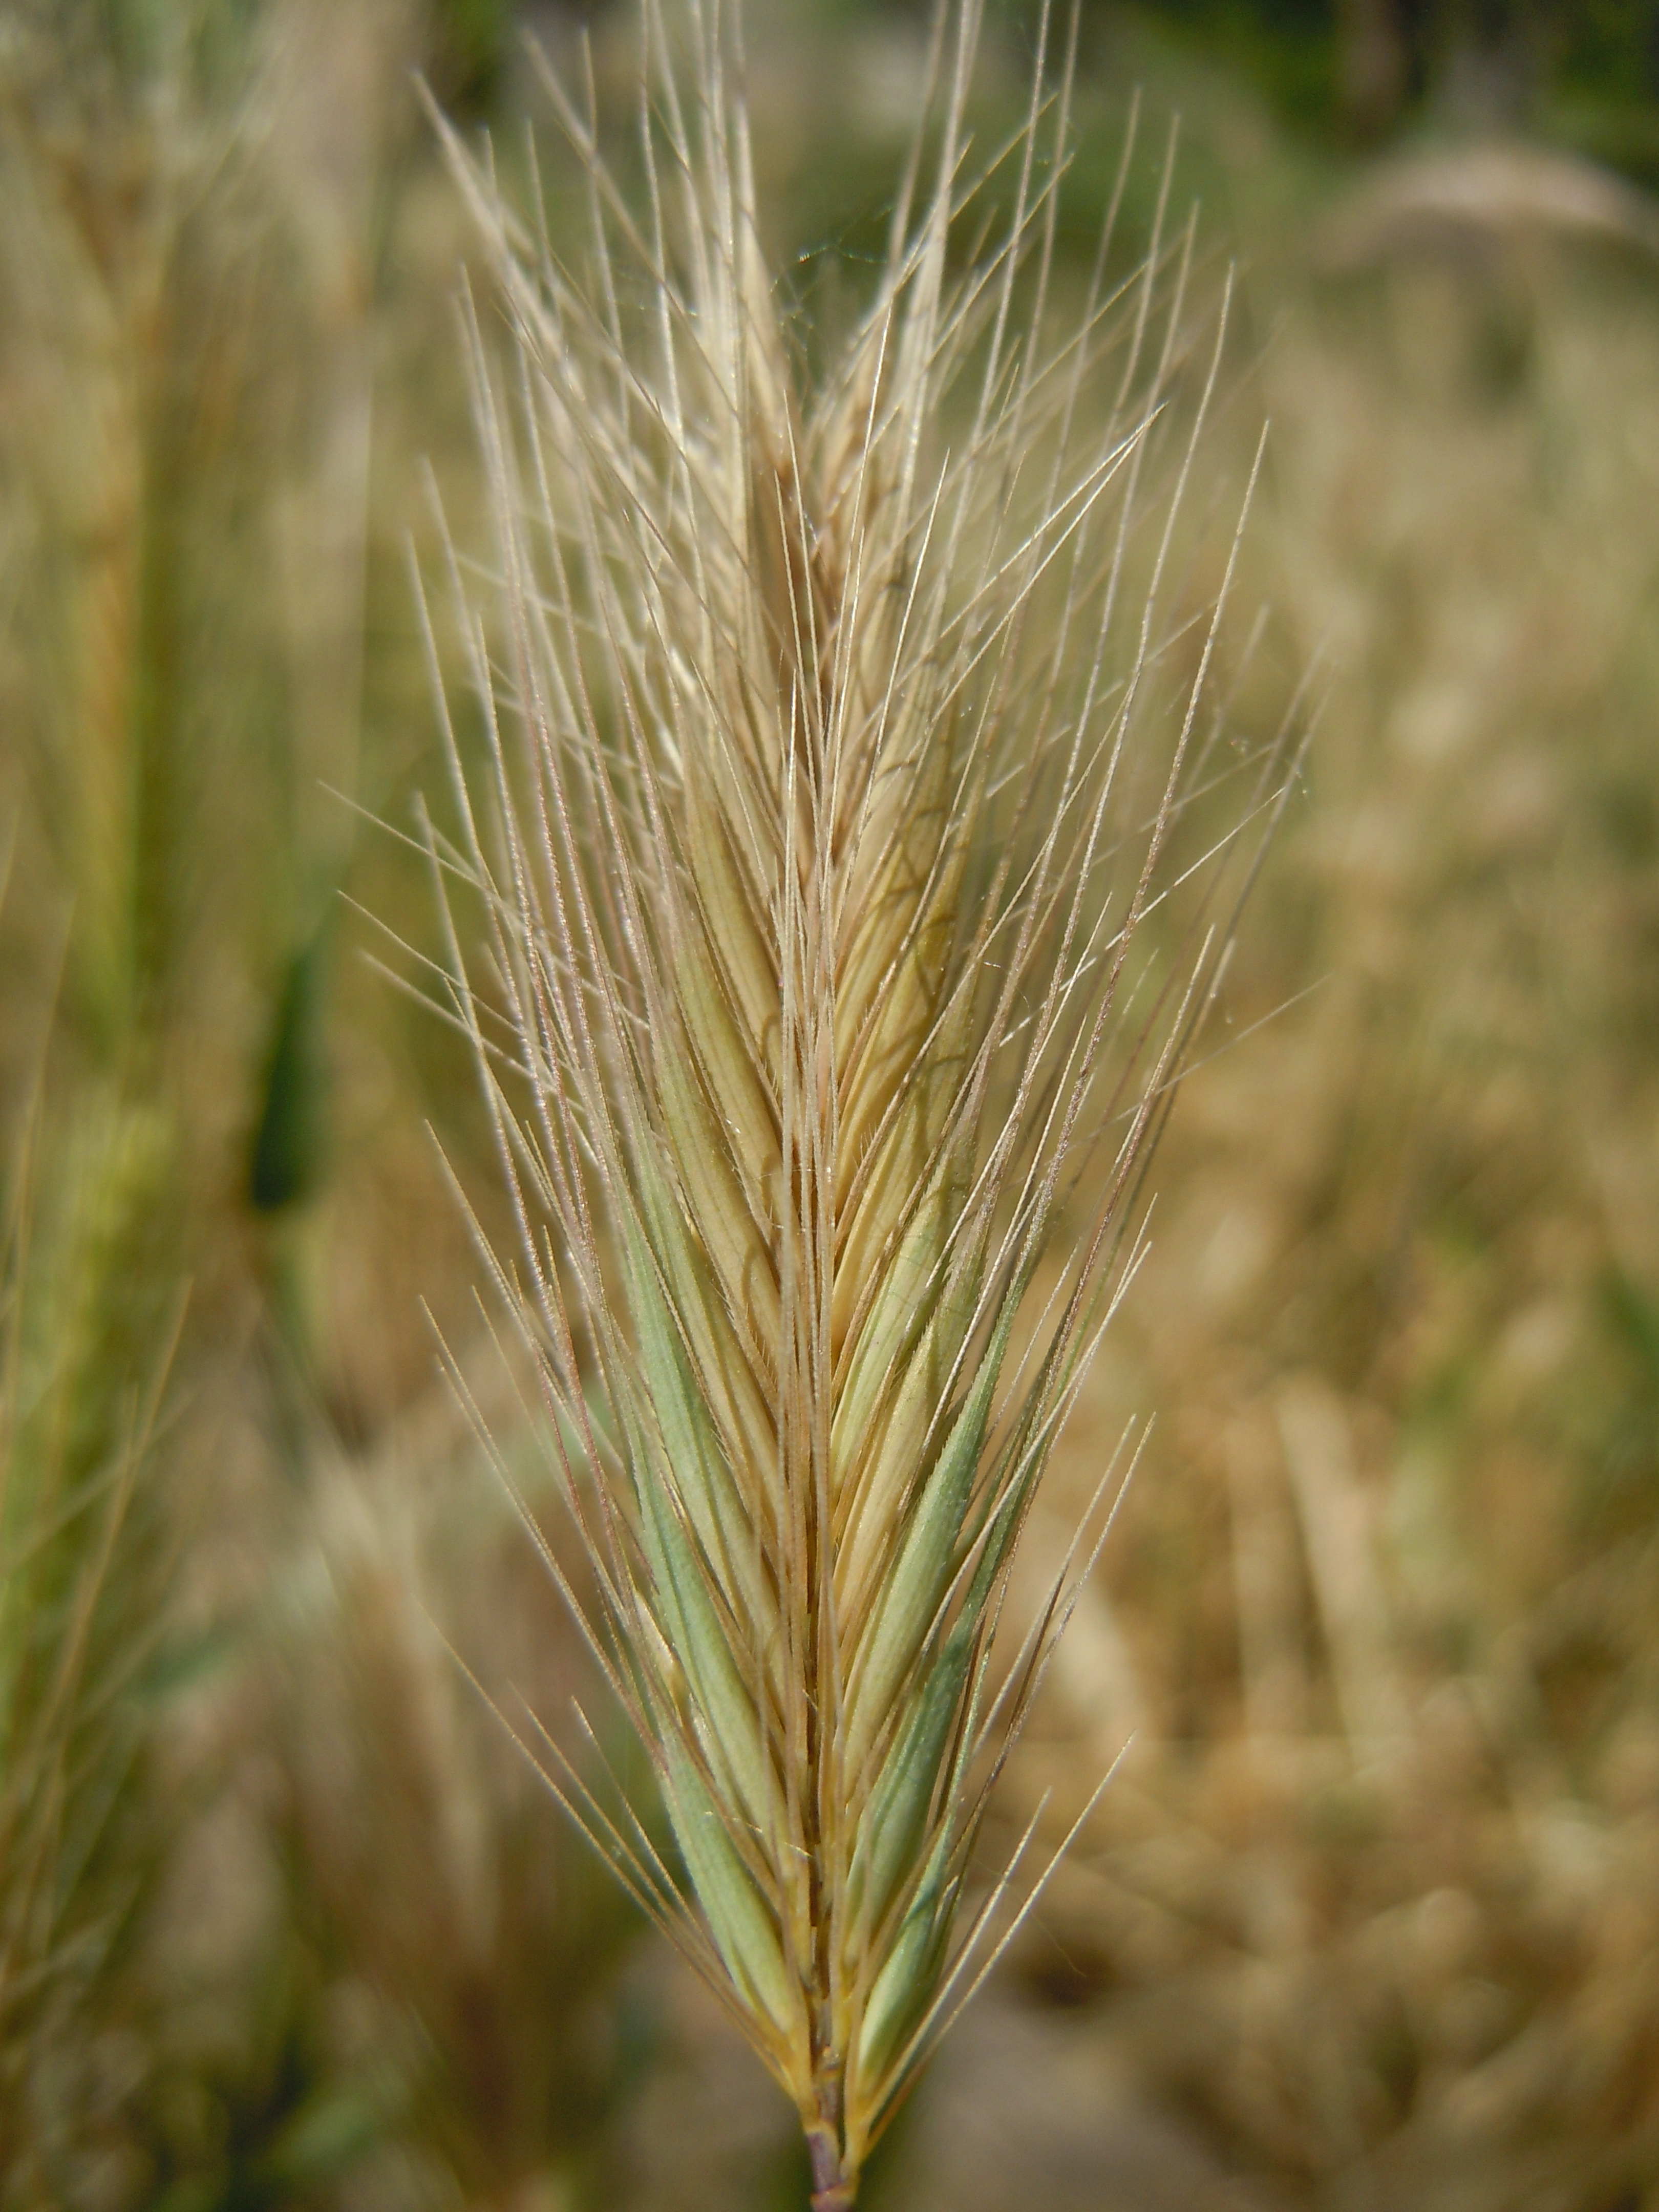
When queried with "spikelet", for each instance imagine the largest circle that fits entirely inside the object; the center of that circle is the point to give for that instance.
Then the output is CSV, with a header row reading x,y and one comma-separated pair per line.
x,y
831,776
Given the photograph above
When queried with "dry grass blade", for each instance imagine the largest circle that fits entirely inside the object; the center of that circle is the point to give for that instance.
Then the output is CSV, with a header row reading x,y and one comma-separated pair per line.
x,y
839,732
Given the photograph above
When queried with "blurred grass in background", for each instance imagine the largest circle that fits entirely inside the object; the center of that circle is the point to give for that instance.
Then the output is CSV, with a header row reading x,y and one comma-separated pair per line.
x,y
1373,1910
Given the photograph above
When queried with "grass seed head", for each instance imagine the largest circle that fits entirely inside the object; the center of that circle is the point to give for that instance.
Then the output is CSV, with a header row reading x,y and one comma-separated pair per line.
x,y
89,1312
838,730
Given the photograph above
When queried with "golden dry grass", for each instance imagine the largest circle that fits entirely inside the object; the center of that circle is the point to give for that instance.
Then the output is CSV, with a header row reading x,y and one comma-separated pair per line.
x,y
1380,1602
1387,1850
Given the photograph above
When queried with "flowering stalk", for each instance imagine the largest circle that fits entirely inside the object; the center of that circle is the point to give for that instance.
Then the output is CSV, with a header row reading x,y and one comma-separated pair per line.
x,y
832,770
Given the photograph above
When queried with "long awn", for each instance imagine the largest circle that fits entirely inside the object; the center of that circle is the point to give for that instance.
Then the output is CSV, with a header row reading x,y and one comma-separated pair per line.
x,y
833,765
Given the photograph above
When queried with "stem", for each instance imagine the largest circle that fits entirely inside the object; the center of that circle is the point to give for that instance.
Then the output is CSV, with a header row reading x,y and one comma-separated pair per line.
x,y
832,2190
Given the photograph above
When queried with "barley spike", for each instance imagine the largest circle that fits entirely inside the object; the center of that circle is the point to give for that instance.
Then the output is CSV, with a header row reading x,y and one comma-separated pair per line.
x,y
838,730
